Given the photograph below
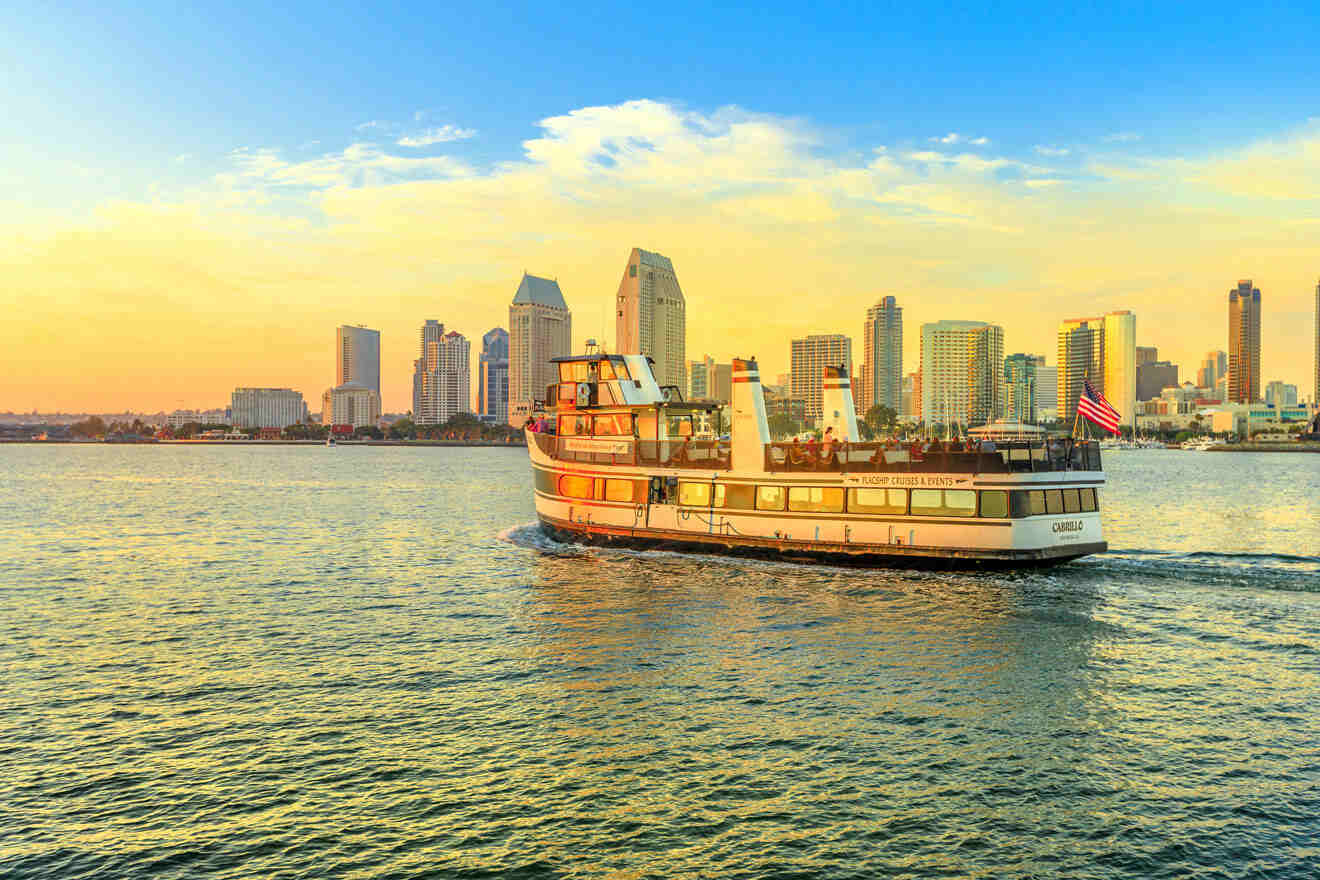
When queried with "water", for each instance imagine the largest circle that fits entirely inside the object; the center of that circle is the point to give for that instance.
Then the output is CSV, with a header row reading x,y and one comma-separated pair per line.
x,y
364,662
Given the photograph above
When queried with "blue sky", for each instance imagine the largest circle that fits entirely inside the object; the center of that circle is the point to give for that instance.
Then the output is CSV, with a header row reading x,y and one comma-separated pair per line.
x,y
124,90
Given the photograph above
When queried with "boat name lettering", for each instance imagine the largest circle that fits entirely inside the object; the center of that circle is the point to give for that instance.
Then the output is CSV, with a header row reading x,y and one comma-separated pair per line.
x,y
1068,525
588,444
914,481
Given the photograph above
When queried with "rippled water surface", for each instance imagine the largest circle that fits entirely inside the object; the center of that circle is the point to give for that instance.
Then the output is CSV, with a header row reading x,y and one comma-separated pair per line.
x,y
366,663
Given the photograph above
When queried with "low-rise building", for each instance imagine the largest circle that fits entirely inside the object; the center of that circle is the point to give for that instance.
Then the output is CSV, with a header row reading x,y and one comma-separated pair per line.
x,y
267,407
350,404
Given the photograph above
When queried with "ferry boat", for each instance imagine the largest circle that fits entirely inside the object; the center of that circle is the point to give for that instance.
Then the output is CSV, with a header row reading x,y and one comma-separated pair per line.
x,y
620,460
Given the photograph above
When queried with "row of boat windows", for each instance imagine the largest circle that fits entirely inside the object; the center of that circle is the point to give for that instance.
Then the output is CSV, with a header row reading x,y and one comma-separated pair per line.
x,y
988,503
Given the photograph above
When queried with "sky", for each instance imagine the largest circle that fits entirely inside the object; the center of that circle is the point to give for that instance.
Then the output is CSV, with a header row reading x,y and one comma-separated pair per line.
x,y
192,200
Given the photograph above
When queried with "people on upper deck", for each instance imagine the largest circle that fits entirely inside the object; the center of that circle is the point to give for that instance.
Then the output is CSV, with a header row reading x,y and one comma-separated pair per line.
x,y
530,425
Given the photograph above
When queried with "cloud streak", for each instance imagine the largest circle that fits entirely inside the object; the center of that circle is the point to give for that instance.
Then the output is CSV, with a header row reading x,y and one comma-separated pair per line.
x,y
442,135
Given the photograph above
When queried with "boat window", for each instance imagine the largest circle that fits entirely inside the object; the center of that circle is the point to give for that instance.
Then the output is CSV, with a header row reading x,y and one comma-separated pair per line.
x,y
613,425
943,502
678,426
545,480
1089,501
574,486
821,499
769,497
994,504
694,494
1036,502
606,370
568,392
574,423
566,372
877,501
619,490
1053,501
621,369
646,423
582,371
734,496
1072,502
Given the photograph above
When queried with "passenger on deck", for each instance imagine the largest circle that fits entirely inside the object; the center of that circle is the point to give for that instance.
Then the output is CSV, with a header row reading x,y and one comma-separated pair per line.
x,y
530,425
827,449
813,451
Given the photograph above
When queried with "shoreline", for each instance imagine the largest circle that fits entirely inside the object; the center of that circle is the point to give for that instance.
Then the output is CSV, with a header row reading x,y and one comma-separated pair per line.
x,y
475,443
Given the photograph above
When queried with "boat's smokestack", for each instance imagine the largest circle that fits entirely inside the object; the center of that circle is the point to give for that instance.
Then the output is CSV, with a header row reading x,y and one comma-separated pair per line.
x,y
749,429
836,404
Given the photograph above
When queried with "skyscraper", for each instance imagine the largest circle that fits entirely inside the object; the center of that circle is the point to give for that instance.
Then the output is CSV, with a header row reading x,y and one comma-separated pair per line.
x,y
1147,354
1019,396
1103,350
1316,392
699,378
1244,343
651,316
442,376
808,358
882,352
1214,365
357,353
1277,394
493,376
1047,393
961,372
540,328
1121,364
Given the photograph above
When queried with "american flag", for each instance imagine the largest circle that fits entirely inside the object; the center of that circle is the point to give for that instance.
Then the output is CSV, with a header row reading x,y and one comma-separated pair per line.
x,y
1096,409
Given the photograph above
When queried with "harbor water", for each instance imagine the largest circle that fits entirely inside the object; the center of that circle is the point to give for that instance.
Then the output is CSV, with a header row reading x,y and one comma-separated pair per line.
x,y
366,662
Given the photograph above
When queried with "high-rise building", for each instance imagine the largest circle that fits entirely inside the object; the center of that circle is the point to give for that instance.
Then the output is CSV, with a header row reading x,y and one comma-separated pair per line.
x,y
1147,354
721,383
808,358
540,328
442,376
962,365
267,407
1047,393
1244,343
909,407
1280,394
1315,399
699,373
1104,351
651,316
493,376
1213,366
1019,395
357,353
1154,377
882,352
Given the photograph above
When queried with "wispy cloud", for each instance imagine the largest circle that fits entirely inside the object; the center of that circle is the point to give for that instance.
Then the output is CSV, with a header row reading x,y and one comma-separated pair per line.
x,y
357,165
954,137
1122,137
443,134
1052,152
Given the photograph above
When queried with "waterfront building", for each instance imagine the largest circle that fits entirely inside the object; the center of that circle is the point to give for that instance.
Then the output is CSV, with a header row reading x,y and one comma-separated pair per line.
x,y
540,328
961,372
651,316
267,407
442,375
1147,354
1213,366
1244,343
699,378
350,403
357,355
1154,377
721,383
909,407
1019,394
493,376
1280,394
881,375
808,358
1315,393
1047,393
1104,350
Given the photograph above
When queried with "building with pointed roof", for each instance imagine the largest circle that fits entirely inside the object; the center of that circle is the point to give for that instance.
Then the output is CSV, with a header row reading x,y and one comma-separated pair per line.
x,y
540,328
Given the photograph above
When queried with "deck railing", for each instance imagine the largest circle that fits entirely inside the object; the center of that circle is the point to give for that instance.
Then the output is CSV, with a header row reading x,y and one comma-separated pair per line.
x,y
1007,457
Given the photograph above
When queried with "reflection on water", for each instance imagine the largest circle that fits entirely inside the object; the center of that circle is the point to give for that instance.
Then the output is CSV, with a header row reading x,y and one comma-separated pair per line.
x,y
363,662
